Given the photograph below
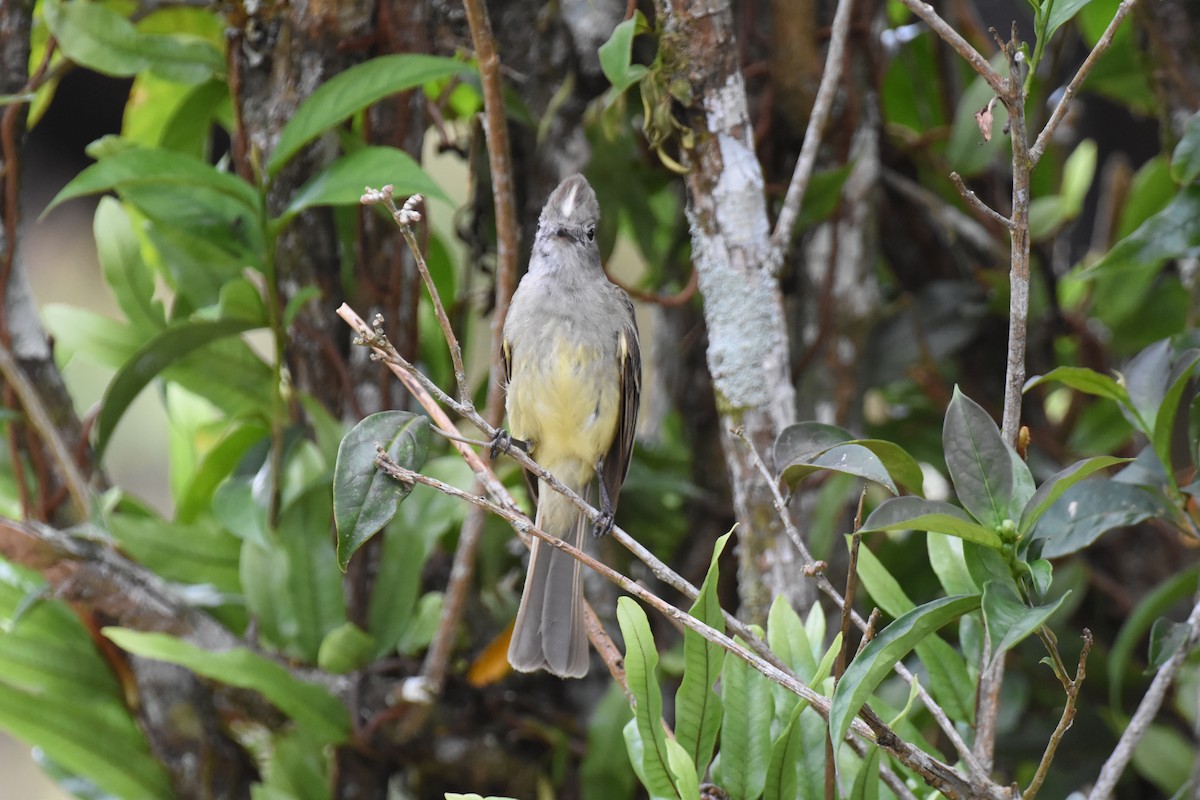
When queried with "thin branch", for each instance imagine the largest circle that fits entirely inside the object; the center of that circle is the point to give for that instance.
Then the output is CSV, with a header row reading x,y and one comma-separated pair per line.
x,y
500,161
1064,723
1110,773
1060,110
839,665
822,107
960,45
47,431
957,224
974,202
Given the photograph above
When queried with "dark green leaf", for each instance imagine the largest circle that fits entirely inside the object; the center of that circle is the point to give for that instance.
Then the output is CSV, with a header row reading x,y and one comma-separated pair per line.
x,y
1185,162
892,644
946,558
803,441
353,90
822,196
199,553
788,639
797,767
641,661
741,766
422,625
313,708
991,480
1171,233
697,706
153,357
342,182
1084,380
1009,620
1058,483
1147,376
848,459
364,497
1163,757
149,166
1090,508
914,513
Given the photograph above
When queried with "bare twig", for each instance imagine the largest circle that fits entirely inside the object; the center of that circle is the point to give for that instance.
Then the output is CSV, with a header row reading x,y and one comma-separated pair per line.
x,y
957,224
822,107
1039,147
839,665
974,202
960,45
1110,773
1064,723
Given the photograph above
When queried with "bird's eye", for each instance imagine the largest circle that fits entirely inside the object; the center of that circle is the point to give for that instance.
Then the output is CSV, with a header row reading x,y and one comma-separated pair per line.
x,y
591,233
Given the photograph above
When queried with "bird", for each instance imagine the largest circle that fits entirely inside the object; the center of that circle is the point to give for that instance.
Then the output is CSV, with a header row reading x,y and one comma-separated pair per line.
x,y
572,364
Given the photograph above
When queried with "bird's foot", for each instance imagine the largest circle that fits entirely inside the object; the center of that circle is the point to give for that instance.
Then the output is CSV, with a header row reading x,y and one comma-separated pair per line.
x,y
603,524
504,442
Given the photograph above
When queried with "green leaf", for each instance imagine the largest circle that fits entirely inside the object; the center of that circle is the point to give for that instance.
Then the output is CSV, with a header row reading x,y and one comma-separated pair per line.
x,y
125,271
1164,757
788,639
1185,161
1059,482
802,441
1061,13
1183,369
291,580
313,708
1083,380
741,766
991,480
1171,233
849,459
153,167
181,58
342,182
198,553
641,661
949,682
866,782
1009,621
1090,508
422,625
297,767
57,694
617,53
364,497
697,706
353,90
687,783
408,540
946,558
1166,638
892,644
797,767
345,649
94,36
1157,602
604,772
165,348
915,513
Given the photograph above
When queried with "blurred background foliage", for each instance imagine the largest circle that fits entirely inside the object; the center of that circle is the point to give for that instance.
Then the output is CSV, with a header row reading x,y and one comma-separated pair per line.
x,y
231,156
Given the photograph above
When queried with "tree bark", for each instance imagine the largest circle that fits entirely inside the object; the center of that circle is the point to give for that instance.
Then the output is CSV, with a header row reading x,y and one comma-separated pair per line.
x,y
727,214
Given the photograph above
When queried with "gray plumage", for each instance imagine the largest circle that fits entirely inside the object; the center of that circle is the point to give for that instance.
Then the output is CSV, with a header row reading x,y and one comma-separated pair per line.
x,y
573,368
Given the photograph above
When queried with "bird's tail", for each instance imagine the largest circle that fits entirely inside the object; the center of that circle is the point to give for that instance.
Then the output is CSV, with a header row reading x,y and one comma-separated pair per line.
x,y
549,632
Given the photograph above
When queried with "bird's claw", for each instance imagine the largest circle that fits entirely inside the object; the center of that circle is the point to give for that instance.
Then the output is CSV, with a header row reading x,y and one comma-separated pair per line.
x,y
603,524
503,442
